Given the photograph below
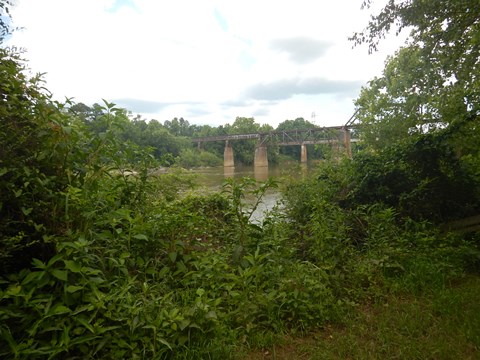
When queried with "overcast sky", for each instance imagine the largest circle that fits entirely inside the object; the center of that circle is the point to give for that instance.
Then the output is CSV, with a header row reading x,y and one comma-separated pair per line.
x,y
207,61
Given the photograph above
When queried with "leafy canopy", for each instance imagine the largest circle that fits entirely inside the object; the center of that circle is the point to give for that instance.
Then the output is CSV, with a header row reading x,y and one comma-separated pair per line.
x,y
434,80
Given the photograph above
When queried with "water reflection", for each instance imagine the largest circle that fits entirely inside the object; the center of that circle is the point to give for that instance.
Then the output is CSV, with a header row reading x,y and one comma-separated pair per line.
x,y
213,178
260,173
217,175
228,171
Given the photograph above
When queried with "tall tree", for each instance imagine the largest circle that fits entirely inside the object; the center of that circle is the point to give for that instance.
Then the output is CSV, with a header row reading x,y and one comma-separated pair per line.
x,y
422,114
294,151
435,80
179,127
244,150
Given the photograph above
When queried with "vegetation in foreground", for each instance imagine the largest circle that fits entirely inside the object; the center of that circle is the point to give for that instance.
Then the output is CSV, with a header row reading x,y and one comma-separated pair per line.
x,y
439,324
101,259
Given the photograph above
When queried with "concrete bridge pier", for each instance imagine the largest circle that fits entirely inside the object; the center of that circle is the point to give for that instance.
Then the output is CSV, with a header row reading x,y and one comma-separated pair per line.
x,y
261,158
347,142
228,155
303,153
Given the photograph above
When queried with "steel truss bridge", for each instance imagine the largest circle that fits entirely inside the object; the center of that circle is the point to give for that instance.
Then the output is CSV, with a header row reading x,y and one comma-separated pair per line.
x,y
334,135
323,135
317,135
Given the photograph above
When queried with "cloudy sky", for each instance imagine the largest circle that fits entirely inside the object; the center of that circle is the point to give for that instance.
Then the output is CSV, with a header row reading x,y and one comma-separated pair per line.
x,y
207,61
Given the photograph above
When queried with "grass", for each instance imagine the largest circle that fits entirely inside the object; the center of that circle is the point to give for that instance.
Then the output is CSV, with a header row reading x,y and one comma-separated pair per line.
x,y
442,324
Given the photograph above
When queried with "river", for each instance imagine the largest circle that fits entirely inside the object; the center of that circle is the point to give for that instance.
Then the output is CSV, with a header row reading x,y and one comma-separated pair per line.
x,y
213,178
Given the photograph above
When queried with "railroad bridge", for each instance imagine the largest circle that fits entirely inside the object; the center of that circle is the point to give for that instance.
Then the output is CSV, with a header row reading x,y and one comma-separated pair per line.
x,y
321,135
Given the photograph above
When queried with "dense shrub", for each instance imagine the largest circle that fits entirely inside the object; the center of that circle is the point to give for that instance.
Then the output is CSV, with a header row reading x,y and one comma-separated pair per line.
x,y
192,158
423,178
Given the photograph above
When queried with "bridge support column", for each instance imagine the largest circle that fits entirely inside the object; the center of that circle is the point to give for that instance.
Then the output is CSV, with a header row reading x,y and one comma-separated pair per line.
x,y
261,158
228,155
346,140
303,153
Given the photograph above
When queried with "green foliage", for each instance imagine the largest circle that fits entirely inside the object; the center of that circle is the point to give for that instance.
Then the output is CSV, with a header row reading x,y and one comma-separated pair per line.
x,y
314,151
33,163
236,192
136,266
179,127
443,324
422,178
165,143
193,158
431,83
167,186
329,183
366,247
243,150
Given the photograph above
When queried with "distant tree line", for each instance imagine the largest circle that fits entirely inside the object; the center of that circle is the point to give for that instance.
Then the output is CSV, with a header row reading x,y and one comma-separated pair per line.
x,y
171,141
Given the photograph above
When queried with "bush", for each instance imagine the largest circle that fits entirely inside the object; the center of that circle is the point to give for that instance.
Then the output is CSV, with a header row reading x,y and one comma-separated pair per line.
x,y
193,158
422,178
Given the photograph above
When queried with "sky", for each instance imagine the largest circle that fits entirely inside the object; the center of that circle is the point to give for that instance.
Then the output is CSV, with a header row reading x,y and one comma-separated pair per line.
x,y
207,61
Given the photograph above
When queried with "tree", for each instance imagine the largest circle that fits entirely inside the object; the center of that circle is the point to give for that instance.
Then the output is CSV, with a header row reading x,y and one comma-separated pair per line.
x,y
82,111
28,165
215,147
421,116
400,103
421,177
179,127
294,151
162,141
434,81
244,150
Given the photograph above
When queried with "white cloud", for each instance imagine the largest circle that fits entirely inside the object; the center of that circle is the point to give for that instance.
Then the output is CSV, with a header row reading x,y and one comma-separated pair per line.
x,y
190,58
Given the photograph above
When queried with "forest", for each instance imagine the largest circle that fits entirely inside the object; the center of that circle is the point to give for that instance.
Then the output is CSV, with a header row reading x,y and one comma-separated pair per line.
x,y
102,258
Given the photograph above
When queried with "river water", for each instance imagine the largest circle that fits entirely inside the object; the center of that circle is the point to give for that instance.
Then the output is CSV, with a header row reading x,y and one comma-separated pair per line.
x,y
213,178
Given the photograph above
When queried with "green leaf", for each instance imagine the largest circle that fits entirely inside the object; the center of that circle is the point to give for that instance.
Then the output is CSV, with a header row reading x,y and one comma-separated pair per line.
x,y
73,288
73,266
211,315
183,324
58,309
13,290
32,276
39,264
60,274
85,323
172,256
104,329
25,211
164,271
164,342
140,237
54,259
